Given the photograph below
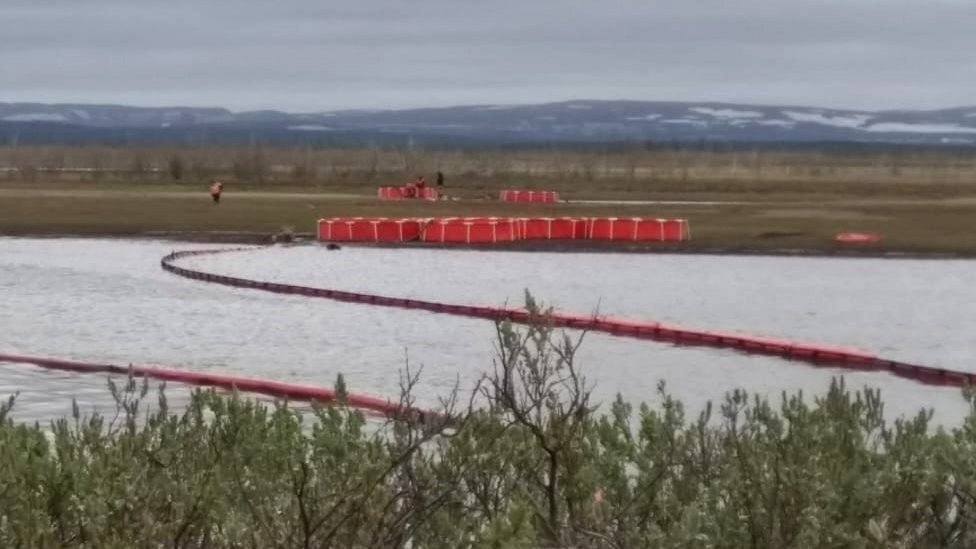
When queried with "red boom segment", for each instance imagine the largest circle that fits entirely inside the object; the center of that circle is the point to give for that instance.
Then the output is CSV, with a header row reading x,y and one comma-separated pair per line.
x,y
471,231
369,230
807,352
488,230
400,193
519,195
269,387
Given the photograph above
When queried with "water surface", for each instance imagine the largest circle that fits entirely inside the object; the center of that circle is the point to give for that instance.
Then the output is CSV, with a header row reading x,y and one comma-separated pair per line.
x,y
109,300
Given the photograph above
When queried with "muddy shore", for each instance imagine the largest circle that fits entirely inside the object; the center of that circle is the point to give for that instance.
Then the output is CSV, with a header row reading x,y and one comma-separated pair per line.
x,y
579,246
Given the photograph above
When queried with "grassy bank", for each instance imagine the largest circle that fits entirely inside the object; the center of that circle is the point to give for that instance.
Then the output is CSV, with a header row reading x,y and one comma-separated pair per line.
x,y
921,202
539,466
910,225
600,169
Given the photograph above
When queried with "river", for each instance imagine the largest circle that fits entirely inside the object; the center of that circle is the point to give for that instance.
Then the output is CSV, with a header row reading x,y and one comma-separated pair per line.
x,y
108,300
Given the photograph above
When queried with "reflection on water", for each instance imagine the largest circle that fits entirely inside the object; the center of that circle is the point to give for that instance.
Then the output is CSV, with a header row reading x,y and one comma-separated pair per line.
x,y
109,300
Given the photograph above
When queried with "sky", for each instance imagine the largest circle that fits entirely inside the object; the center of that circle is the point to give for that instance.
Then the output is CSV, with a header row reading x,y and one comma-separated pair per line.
x,y
321,55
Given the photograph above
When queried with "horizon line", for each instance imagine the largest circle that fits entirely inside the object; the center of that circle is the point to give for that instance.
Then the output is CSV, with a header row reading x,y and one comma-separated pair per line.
x,y
471,105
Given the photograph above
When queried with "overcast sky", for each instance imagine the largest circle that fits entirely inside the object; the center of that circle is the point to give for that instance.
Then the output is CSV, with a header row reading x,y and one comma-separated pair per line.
x,y
315,55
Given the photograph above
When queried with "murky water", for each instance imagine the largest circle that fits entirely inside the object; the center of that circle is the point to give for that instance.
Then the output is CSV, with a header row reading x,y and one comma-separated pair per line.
x,y
109,300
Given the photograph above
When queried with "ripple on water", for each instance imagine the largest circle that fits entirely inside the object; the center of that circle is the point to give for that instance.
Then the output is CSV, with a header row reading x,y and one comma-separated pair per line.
x,y
109,300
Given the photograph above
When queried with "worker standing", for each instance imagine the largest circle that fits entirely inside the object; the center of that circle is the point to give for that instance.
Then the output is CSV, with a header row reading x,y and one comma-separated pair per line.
x,y
410,190
216,187
419,185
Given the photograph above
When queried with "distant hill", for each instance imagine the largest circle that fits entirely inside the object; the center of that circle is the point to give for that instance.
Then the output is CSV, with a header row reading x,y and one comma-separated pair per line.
x,y
551,123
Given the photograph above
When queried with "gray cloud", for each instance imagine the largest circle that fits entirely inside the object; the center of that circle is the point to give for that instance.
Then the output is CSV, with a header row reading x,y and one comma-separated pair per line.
x,y
309,55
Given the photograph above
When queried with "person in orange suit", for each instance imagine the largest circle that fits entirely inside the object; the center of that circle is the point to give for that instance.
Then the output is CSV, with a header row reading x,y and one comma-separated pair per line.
x,y
419,184
410,190
216,187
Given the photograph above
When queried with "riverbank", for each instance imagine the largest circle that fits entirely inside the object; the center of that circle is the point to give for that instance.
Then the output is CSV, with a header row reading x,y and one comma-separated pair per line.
x,y
729,223
588,247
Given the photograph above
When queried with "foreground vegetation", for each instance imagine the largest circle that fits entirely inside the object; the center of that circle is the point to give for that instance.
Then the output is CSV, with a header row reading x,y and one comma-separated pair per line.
x,y
535,464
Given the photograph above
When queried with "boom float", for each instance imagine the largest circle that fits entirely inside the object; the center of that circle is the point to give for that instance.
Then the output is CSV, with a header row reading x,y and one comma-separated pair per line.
x,y
291,391
811,353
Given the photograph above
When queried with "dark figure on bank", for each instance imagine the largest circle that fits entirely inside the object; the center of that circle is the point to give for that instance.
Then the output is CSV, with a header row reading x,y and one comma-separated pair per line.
x,y
440,179
216,187
332,246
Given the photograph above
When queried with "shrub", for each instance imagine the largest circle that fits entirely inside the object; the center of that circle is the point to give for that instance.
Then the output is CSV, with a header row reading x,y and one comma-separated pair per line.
x,y
535,464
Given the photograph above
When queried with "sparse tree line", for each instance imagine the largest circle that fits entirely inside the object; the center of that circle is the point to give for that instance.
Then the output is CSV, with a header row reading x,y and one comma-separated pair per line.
x,y
367,165
535,463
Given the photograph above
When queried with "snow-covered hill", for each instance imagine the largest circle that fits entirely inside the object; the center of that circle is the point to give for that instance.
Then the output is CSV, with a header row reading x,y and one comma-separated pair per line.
x,y
553,122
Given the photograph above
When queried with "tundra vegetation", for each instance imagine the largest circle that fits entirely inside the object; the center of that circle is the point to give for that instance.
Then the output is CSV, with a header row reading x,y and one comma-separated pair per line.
x,y
525,459
737,199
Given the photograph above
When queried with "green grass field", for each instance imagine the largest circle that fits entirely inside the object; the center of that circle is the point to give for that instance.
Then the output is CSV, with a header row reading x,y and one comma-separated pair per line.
x,y
920,202
773,223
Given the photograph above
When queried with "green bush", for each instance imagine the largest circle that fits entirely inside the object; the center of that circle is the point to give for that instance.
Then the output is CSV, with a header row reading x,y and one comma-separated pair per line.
x,y
535,463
